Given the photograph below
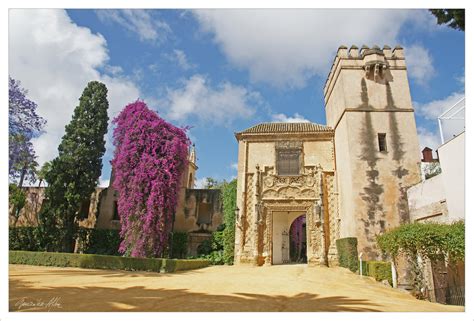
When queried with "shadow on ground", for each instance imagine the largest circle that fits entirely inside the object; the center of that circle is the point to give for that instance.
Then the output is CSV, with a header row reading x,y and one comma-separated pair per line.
x,y
23,297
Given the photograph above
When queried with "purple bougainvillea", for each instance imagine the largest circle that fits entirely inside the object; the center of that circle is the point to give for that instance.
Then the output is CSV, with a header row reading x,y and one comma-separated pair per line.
x,y
150,156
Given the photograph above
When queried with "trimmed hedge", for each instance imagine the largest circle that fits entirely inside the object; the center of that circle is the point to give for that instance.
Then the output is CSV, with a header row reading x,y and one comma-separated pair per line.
x,y
92,241
347,253
109,262
379,270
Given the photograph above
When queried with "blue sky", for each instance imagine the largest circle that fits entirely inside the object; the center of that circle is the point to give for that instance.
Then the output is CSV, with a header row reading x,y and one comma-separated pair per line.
x,y
220,71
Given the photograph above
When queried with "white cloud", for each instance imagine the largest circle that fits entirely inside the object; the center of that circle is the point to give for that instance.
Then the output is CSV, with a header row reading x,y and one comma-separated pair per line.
x,y
181,59
451,125
428,138
282,118
419,64
140,22
234,166
285,47
435,108
104,182
219,105
113,70
55,59
200,182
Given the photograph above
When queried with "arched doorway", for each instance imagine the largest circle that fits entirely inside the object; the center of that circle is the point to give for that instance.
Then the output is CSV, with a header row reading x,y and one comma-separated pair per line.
x,y
297,240
289,237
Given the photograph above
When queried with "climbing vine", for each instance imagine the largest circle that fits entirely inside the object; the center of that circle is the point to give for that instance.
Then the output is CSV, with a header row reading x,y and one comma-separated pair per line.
x,y
150,155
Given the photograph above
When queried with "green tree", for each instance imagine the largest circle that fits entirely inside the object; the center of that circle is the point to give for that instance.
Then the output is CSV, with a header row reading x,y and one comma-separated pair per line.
x,y
454,18
211,183
74,173
41,175
229,201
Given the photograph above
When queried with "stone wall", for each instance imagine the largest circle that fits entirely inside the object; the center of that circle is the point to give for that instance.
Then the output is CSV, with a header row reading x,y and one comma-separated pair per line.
x,y
35,196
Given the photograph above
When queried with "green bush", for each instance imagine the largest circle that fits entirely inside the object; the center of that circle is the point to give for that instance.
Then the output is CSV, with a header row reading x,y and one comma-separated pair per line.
x,y
24,238
347,253
94,261
91,241
213,249
179,244
431,240
378,269
100,241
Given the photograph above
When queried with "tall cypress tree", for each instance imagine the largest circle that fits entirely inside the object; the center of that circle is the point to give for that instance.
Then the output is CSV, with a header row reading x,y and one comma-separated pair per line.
x,y
74,173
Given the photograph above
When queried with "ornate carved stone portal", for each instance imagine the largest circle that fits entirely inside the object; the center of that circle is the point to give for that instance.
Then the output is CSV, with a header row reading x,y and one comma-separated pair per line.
x,y
268,201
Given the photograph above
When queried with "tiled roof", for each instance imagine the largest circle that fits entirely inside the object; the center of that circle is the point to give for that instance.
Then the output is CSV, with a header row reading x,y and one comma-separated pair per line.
x,y
286,128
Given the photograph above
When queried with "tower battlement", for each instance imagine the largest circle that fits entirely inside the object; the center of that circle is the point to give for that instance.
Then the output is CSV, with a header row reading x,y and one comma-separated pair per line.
x,y
375,62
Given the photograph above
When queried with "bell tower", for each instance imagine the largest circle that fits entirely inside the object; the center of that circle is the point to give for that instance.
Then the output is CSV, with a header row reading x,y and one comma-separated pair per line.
x,y
368,104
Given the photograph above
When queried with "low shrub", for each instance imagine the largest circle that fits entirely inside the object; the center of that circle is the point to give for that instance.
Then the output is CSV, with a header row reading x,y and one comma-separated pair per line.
x,y
379,270
100,241
24,238
347,253
174,265
213,249
94,261
91,241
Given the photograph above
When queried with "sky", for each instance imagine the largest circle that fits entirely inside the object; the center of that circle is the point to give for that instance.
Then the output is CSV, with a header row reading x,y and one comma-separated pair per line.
x,y
220,71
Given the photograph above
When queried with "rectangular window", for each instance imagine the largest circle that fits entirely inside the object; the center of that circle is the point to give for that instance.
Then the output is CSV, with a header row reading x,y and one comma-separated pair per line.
x,y
204,214
288,161
116,216
84,209
382,142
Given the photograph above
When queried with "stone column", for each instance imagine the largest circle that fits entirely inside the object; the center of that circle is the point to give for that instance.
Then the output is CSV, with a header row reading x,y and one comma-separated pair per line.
x,y
269,238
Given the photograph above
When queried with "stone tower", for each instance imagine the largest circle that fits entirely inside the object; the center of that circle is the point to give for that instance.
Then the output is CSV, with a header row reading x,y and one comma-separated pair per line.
x,y
368,104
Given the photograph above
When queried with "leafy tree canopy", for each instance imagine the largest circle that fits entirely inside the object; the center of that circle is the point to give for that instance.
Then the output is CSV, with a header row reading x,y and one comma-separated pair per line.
x,y
454,18
73,175
24,123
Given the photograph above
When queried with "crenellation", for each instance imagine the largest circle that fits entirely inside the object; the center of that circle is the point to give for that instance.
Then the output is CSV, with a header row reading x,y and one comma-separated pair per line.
x,y
374,61
342,52
362,49
398,52
387,51
354,52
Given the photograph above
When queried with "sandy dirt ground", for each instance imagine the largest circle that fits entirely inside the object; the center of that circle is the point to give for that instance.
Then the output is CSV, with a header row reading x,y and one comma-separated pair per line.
x,y
217,288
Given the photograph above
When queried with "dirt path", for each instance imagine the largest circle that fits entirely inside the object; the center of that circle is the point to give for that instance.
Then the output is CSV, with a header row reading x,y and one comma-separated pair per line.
x,y
218,288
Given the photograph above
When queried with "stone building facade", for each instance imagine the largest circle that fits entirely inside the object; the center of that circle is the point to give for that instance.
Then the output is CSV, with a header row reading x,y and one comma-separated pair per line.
x,y
352,175
198,213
